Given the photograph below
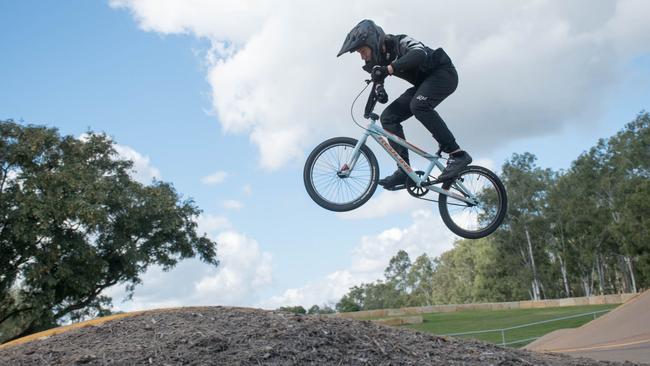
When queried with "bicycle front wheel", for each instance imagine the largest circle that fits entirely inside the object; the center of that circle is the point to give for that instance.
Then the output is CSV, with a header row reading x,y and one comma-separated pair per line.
x,y
473,221
331,184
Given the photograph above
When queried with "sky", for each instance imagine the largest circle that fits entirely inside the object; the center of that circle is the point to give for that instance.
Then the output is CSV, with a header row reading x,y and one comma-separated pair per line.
x,y
226,99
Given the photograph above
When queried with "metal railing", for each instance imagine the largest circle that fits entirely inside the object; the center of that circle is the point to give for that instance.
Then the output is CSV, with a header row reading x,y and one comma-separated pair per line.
x,y
504,330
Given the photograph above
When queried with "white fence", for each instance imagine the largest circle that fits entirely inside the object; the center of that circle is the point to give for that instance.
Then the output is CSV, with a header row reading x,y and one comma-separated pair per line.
x,y
503,331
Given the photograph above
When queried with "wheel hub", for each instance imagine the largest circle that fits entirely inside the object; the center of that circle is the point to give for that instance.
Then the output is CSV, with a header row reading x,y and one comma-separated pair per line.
x,y
344,172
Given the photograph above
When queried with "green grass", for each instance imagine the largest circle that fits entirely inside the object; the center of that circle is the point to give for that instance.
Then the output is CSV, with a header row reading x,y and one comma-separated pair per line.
x,y
474,320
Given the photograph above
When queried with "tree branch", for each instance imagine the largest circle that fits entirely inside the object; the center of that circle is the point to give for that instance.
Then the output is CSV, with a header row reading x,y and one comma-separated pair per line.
x,y
84,303
14,313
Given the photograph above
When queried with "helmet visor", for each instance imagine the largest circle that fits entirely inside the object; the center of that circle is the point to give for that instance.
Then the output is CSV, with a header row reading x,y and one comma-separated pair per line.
x,y
351,44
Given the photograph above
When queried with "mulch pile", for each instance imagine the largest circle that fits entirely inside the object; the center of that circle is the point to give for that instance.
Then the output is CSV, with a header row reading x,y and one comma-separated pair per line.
x,y
241,336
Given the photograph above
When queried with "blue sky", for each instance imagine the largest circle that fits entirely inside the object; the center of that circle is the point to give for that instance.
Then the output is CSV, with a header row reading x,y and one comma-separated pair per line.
x,y
241,91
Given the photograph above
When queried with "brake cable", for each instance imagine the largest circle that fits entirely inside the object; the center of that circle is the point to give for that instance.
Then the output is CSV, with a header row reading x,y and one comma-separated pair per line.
x,y
352,106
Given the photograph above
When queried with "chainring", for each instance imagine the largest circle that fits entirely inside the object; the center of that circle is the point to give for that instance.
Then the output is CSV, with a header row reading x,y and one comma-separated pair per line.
x,y
413,189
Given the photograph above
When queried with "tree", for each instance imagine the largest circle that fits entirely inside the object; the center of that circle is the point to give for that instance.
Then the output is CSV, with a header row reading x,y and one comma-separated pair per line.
x,y
73,223
299,310
628,173
352,301
420,280
525,224
325,309
397,271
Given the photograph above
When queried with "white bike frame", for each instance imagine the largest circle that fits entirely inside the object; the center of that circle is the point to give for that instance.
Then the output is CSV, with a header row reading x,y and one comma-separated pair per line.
x,y
378,134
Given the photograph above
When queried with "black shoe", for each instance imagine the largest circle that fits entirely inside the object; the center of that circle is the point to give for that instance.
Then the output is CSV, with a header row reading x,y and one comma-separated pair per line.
x,y
398,178
455,165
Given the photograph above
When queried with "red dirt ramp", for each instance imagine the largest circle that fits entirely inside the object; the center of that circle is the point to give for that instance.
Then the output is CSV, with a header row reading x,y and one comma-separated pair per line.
x,y
241,336
620,335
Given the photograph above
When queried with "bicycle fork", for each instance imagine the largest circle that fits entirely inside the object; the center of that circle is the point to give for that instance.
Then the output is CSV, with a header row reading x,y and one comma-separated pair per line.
x,y
346,169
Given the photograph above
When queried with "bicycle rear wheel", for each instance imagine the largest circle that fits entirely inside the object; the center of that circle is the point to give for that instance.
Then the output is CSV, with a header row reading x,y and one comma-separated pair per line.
x,y
326,180
474,221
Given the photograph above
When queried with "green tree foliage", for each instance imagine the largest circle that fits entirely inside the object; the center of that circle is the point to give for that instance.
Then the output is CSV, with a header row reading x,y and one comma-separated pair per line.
x,y
352,301
325,309
473,271
73,223
397,271
527,187
419,281
293,309
628,184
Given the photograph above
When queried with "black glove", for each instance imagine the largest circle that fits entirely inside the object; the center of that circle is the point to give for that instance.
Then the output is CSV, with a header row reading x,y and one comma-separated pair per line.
x,y
379,73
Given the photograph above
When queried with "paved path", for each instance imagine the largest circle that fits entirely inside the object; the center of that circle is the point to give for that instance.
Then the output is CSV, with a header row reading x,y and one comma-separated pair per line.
x,y
621,335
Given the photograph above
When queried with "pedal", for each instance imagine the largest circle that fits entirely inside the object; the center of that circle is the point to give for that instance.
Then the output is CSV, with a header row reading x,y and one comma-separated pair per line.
x,y
395,188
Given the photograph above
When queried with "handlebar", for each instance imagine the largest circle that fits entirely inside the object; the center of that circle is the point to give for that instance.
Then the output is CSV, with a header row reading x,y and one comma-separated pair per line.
x,y
377,94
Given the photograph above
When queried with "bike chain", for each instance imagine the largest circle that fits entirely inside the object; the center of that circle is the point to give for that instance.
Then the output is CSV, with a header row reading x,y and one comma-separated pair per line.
x,y
421,196
426,199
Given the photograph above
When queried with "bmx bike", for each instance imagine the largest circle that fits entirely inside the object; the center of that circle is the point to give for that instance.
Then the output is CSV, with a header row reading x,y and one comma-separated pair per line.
x,y
341,174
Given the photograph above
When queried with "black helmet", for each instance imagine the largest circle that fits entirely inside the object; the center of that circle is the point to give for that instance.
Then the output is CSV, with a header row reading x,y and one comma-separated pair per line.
x,y
366,33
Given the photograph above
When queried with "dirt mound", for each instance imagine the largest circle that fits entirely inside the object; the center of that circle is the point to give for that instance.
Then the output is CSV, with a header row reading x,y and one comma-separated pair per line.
x,y
240,336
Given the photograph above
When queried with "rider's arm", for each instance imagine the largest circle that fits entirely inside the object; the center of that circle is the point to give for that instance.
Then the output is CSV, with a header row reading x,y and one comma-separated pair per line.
x,y
411,54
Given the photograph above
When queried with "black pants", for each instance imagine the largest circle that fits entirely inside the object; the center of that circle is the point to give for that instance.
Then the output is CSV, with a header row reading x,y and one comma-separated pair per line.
x,y
420,101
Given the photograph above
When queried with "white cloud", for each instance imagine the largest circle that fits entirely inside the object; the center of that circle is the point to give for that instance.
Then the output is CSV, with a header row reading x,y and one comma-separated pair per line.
x,y
244,270
233,205
526,68
215,178
211,224
486,163
142,170
326,291
427,234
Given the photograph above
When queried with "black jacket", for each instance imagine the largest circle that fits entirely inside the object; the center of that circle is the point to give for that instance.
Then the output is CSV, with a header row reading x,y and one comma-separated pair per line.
x,y
411,59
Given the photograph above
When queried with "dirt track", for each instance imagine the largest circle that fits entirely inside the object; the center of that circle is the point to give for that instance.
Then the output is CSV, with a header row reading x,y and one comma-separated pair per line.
x,y
239,336
622,334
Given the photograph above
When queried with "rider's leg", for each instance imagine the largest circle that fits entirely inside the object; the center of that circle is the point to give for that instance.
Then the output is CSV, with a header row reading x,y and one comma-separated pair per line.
x,y
392,117
433,90
391,120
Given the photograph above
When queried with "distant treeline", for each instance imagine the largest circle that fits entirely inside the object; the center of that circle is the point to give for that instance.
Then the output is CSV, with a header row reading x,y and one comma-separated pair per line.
x,y
577,232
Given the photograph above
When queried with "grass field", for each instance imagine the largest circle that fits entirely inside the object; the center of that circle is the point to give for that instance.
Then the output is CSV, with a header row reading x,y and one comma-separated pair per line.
x,y
475,320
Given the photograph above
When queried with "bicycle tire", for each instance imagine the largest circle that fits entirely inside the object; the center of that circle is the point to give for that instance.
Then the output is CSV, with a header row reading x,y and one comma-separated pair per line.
x,y
497,191
356,192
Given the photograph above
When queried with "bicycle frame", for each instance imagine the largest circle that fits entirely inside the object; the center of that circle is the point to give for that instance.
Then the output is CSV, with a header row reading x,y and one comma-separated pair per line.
x,y
380,135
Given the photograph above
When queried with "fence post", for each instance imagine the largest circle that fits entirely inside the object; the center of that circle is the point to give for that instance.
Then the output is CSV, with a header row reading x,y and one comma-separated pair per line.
x,y
503,337
594,315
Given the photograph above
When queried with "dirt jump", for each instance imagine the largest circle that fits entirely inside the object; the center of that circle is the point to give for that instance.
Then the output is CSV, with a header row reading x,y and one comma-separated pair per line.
x,y
622,334
242,336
